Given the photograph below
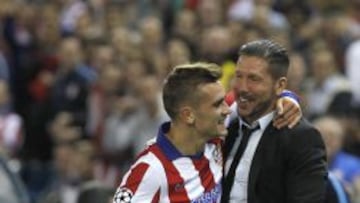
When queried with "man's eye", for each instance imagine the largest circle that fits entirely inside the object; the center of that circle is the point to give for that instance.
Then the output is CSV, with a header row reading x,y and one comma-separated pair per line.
x,y
255,79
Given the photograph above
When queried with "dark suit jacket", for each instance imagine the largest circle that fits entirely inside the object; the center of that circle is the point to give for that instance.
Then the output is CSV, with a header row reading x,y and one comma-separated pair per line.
x,y
289,165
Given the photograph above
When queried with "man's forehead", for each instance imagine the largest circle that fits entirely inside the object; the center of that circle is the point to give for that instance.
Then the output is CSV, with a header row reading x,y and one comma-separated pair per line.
x,y
213,90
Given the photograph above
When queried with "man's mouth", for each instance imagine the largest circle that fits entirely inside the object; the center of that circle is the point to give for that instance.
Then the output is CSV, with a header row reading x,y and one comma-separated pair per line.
x,y
221,122
242,99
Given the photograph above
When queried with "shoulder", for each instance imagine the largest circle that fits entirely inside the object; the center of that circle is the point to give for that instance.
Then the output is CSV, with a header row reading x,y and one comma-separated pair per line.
x,y
143,179
149,158
303,135
304,127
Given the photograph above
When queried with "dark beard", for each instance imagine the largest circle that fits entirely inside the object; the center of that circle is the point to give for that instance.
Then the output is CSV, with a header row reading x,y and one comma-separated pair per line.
x,y
260,110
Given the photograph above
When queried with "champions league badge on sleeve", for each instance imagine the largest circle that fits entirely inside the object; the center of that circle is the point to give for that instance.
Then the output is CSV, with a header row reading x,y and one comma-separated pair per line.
x,y
123,195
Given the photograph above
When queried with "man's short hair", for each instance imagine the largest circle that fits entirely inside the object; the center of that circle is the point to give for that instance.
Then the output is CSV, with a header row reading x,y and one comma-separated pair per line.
x,y
181,85
275,54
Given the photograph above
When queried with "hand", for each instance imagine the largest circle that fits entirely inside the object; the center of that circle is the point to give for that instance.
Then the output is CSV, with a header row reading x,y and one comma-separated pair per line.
x,y
288,113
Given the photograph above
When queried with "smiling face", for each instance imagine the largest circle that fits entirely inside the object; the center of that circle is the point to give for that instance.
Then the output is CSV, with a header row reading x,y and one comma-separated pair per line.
x,y
194,99
210,111
255,89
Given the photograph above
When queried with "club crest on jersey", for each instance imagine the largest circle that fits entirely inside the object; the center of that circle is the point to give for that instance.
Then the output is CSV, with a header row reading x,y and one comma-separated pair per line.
x,y
123,195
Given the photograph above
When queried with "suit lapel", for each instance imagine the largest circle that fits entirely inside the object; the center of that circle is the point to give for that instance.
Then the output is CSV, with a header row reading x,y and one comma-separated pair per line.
x,y
256,164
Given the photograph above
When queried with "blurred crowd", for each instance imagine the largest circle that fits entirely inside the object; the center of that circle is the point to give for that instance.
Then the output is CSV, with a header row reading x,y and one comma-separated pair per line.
x,y
80,82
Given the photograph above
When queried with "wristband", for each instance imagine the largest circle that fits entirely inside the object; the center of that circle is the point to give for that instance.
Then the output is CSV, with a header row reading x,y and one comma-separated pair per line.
x,y
288,93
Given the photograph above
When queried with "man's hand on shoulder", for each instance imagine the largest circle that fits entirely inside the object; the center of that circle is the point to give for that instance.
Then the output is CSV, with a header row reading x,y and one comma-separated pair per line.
x,y
288,110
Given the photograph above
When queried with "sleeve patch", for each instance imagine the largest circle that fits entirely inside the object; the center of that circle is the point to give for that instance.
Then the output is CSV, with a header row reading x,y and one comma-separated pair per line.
x,y
123,195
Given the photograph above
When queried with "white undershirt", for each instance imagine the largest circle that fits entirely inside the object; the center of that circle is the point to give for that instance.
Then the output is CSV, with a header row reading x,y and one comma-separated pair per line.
x,y
239,190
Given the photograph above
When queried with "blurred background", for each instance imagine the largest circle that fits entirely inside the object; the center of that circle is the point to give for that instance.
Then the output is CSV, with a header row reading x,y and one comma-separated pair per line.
x,y
80,82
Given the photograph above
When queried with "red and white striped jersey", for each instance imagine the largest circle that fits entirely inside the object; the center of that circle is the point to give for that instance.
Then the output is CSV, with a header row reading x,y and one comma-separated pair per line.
x,y
162,174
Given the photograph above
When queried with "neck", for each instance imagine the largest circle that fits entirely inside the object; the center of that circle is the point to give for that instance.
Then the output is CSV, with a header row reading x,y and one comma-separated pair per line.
x,y
185,140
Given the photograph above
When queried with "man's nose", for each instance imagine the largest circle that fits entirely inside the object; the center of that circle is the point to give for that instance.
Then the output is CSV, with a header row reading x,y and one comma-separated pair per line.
x,y
240,86
226,109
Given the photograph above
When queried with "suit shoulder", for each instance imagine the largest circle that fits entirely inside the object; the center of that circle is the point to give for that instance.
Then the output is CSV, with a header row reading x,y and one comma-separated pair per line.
x,y
304,134
304,127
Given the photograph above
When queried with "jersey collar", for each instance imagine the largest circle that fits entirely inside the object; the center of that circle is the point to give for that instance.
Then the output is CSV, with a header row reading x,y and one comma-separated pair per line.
x,y
167,147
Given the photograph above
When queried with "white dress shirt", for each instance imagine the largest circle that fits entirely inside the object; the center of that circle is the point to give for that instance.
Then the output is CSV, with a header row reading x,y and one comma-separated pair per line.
x,y
239,190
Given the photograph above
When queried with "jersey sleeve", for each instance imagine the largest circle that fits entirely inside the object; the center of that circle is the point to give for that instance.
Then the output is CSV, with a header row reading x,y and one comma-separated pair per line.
x,y
140,184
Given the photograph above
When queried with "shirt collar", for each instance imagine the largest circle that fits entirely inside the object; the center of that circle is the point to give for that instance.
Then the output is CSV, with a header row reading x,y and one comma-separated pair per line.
x,y
170,151
263,122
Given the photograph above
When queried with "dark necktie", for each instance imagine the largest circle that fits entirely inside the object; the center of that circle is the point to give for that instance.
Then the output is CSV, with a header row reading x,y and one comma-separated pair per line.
x,y
228,180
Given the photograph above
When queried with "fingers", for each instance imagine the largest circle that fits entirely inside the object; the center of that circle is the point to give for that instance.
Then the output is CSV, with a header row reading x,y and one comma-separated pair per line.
x,y
279,106
289,110
289,117
295,120
279,122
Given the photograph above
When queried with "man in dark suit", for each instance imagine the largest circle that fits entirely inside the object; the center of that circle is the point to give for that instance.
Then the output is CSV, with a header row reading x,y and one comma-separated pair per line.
x,y
265,164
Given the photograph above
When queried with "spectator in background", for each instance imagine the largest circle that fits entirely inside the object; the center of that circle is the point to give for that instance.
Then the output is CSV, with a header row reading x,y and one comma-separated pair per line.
x,y
343,165
102,55
71,10
72,82
119,135
109,83
122,41
11,124
326,81
178,52
102,95
186,29
297,75
259,12
18,32
95,193
216,47
74,165
352,61
12,188
210,6
152,113
4,68
153,45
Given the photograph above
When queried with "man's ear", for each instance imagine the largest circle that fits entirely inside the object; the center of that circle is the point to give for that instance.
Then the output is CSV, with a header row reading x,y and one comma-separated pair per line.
x,y
280,85
187,115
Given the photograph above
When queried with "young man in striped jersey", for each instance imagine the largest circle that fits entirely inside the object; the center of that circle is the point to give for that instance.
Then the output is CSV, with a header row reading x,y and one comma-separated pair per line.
x,y
185,162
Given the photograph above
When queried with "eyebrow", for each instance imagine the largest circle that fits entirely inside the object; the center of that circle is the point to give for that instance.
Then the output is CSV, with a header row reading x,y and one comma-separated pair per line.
x,y
219,101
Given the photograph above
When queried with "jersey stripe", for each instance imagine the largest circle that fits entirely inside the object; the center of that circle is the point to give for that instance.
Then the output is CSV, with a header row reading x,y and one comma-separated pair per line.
x,y
207,179
137,173
177,192
156,178
191,176
156,197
